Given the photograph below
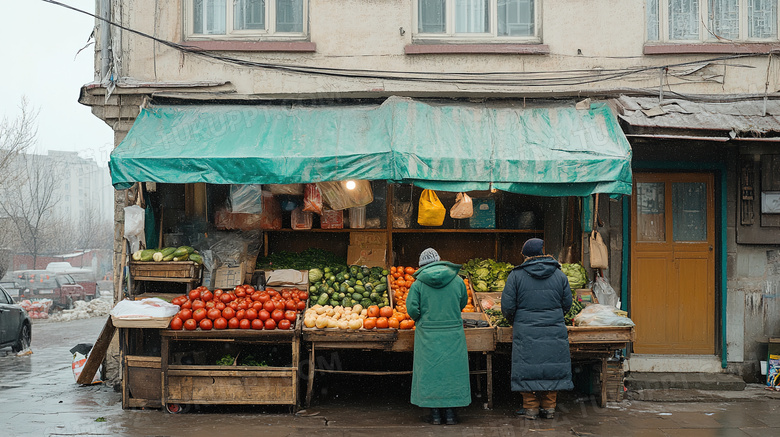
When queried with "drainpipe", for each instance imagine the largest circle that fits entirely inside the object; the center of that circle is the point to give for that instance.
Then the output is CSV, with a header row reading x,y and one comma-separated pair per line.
x,y
105,35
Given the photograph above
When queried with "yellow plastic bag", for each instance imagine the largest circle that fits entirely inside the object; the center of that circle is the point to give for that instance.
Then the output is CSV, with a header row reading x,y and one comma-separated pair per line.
x,y
431,211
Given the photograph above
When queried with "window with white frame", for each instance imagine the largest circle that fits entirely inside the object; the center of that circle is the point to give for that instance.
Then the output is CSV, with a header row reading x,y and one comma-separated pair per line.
x,y
246,18
510,19
712,20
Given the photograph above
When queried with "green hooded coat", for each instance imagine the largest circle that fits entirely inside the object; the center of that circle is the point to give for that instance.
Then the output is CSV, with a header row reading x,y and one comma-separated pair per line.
x,y
441,366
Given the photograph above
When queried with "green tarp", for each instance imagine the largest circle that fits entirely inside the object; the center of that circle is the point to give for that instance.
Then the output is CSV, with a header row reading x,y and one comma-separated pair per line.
x,y
545,151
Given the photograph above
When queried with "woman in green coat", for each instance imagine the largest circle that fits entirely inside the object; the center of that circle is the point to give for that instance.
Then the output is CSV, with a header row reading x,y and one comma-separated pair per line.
x,y
440,379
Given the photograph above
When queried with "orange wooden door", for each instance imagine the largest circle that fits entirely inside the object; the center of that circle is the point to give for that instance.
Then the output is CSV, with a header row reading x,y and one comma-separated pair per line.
x,y
673,263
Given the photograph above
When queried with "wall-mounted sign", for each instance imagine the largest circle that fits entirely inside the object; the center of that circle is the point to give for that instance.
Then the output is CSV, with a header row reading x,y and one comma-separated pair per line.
x,y
770,202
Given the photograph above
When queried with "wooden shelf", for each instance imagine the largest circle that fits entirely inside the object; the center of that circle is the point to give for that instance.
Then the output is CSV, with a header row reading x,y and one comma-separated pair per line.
x,y
418,231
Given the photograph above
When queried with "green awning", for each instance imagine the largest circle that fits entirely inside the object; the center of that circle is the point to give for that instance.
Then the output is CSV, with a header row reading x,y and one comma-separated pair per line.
x,y
546,151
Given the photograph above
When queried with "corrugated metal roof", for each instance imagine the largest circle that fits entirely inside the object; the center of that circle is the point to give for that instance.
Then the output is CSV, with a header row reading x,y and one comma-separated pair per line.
x,y
745,118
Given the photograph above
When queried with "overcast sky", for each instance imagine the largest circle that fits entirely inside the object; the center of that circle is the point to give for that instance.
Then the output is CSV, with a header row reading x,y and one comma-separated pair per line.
x,y
39,45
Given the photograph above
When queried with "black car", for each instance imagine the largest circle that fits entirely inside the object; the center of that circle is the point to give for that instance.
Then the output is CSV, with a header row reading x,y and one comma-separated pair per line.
x,y
15,324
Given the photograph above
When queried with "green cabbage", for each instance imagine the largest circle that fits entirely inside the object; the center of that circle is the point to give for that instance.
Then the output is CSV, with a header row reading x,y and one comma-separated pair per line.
x,y
577,275
315,275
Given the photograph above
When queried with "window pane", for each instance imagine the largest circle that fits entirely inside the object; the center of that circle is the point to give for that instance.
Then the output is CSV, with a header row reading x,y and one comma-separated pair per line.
x,y
650,214
689,211
249,14
515,17
724,18
289,16
209,17
683,19
471,16
652,20
762,19
431,16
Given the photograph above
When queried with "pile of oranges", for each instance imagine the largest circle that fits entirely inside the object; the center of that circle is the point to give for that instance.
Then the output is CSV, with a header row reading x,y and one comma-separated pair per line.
x,y
469,308
401,281
386,317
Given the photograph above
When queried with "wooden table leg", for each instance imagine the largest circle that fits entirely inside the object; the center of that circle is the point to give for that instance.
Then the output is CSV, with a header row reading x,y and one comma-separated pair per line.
x,y
603,400
310,381
164,350
489,361
478,366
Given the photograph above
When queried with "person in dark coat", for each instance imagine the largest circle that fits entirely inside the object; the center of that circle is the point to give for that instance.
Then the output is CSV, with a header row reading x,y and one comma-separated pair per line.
x,y
535,298
440,376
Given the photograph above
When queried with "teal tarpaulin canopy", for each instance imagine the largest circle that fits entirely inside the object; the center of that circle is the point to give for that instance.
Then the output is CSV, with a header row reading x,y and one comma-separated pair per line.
x,y
545,151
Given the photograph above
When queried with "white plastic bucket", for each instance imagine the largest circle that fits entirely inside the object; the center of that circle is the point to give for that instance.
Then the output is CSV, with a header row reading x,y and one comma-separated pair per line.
x,y
357,217
763,367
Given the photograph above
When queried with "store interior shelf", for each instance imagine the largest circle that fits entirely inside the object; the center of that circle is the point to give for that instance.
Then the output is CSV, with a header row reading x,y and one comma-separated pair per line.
x,y
469,231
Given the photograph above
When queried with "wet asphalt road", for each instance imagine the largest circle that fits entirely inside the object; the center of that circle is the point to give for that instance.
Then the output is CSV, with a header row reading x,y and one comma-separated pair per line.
x,y
39,397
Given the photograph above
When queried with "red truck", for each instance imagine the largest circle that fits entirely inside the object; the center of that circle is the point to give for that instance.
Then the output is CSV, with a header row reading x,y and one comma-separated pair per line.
x,y
59,287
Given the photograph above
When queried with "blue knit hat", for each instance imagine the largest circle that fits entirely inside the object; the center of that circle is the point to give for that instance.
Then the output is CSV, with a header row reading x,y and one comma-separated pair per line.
x,y
428,256
533,247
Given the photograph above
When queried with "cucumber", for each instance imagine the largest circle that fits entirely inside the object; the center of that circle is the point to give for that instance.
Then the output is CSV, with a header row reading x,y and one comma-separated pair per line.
x,y
147,254
137,255
168,251
157,257
196,258
181,251
184,257
168,258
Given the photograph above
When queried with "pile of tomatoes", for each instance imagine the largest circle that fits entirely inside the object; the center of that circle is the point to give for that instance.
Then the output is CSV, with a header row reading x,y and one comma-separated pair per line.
x,y
241,308
401,281
386,317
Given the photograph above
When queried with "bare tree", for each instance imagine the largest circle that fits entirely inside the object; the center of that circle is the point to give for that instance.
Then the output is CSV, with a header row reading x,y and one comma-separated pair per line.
x,y
29,200
16,136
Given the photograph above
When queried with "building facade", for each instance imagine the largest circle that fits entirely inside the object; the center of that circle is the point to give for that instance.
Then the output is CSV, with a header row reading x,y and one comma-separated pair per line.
x,y
694,252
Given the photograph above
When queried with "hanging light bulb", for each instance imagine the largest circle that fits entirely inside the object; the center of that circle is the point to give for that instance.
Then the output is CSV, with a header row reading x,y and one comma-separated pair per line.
x,y
351,185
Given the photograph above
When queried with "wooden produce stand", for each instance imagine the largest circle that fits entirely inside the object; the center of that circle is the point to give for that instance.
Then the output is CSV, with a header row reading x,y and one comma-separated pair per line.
x,y
141,372
478,340
205,383
187,272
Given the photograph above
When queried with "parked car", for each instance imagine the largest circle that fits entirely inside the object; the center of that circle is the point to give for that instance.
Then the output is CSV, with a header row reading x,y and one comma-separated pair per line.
x,y
15,324
85,278
60,288
11,284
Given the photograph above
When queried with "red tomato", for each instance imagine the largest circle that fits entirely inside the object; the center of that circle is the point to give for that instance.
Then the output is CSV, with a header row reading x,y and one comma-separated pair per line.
x,y
257,306
228,313
291,305
255,296
240,293
290,315
186,304
301,305
269,306
245,324
220,306
194,294
240,314
270,324
243,305
263,297
286,294
302,295
206,324
257,324
220,323
190,325
199,314
209,305
264,315
234,323
218,293
226,297
251,314
176,301
272,292
198,304
277,315
183,297
177,323
249,288
284,324
214,314
185,314
206,296
280,305
233,305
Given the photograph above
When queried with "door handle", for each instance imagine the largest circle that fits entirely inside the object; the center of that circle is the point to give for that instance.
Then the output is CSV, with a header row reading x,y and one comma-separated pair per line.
x,y
710,248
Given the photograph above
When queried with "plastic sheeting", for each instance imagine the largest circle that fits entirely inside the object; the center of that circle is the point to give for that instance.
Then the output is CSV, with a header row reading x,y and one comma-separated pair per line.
x,y
551,151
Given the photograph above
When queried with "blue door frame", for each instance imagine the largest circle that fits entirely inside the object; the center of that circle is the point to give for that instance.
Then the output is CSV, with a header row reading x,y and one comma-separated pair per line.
x,y
720,188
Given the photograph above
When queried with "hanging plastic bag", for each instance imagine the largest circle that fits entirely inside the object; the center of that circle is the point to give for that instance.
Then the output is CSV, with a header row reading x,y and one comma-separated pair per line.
x,y
604,292
463,208
246,199
402,214
312,199
134,227
431,211
598,251
288,189
339,196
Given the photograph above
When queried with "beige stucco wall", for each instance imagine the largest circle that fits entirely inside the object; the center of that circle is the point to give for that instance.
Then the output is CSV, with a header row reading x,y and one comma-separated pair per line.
x,y
365,35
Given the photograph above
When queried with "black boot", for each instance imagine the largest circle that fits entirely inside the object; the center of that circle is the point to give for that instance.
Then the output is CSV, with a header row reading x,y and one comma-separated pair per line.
x,y
435,418
449,417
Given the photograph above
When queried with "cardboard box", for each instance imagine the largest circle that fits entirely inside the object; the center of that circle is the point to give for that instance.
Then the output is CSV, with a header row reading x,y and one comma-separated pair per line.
x,y
227,277
369,256
363,239
302,283
484,214
331,219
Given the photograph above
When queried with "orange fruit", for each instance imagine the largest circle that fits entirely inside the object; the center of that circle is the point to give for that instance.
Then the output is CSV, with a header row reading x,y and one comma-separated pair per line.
x,y
392,322
386,311
409,270
382,323
369,323
406,324
392,269
373,311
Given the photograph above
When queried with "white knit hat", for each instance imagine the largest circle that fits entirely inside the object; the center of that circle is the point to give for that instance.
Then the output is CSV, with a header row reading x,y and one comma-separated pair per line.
x,y
428,256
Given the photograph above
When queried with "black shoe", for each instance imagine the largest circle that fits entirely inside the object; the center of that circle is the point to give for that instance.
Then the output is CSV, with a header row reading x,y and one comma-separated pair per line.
x,y
547,413
530,414
435,418
449,417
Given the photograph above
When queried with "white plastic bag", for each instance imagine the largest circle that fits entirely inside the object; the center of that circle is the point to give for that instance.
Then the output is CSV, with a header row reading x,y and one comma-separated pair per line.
x,y
246,199
463,208
134,227
144,309
339,196
604,292
600,315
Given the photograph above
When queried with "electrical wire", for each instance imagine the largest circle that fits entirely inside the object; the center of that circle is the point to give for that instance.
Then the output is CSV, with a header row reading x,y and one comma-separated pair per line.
x,y
555,78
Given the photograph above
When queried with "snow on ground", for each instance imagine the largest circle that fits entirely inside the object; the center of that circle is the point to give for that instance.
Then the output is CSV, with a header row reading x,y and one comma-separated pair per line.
x,y
84,310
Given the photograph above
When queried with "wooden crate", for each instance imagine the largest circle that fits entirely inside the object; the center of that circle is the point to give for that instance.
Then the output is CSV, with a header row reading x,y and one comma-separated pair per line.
x,y
503,333
142,382
236,385
479,339
618,335
179,271
613,381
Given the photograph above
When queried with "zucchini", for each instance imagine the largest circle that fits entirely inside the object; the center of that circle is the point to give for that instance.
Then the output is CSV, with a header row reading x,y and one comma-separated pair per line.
x,y
184,257
196,258
168,258
181,251
168,251
147,254
157,257
137,255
